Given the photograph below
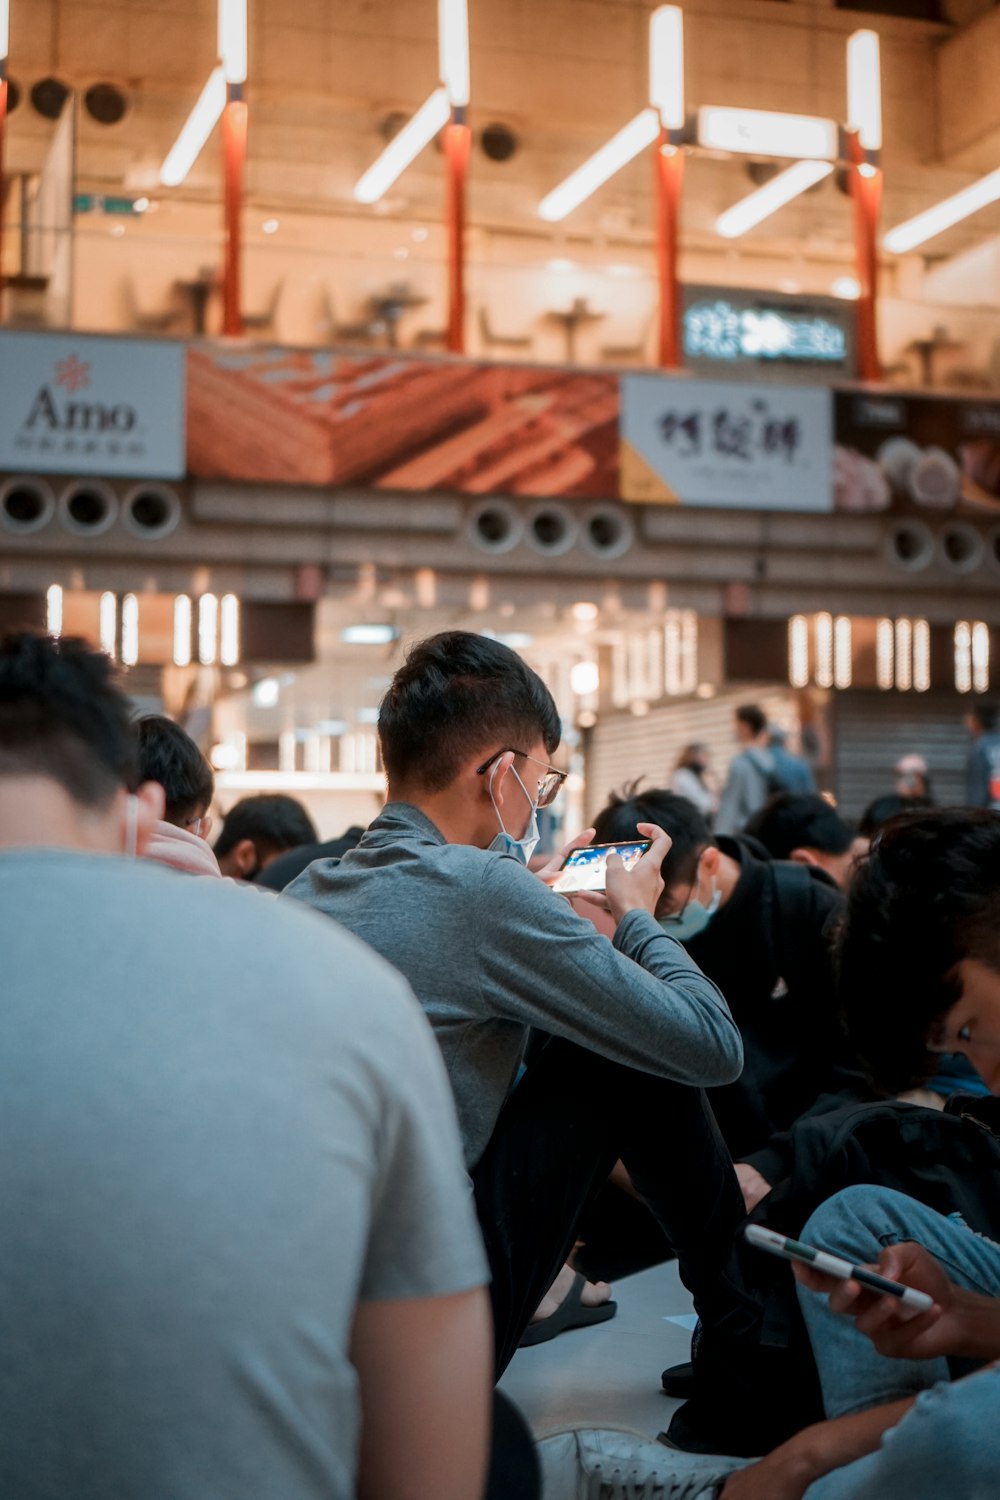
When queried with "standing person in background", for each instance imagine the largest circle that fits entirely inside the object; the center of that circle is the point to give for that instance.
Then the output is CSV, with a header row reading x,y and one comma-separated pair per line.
x,y
913,779
693,779
753,775
982,769
794,771
257,830
168,756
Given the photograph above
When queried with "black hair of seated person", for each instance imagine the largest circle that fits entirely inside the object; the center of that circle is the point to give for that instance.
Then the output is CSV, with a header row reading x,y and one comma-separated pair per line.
x,y
793,820
64,716
458,695
882,809
986,715
689,832
169,756
927,896
753,717
272,823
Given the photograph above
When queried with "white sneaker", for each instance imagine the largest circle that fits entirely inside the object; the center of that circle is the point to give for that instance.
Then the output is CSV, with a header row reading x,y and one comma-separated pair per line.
x,y
600,1464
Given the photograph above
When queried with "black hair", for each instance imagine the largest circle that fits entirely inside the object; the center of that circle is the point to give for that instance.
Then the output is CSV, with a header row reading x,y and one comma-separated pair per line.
x,y
272,823
64,716
927,896
753,717
986,714
168,755
674,814
793,820
459,695
882,809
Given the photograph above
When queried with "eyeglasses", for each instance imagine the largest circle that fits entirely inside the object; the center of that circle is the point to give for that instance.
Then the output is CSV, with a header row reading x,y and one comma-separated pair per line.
x,y
548,785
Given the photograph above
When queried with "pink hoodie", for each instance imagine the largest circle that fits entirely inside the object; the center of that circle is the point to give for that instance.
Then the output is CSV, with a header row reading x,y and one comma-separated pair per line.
x,y
182,851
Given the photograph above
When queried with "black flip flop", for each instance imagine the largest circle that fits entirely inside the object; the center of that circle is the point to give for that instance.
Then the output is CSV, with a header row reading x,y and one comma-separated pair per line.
x,y
571,1313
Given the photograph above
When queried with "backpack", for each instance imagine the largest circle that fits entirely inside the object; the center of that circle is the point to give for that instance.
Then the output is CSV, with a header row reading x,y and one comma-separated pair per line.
x,y
773,782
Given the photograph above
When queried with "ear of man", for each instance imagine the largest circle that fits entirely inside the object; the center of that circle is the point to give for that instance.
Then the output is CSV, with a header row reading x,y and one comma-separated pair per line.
x,y
150,803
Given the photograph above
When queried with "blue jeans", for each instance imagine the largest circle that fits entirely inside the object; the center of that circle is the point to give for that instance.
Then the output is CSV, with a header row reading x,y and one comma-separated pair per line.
x,y
949,1443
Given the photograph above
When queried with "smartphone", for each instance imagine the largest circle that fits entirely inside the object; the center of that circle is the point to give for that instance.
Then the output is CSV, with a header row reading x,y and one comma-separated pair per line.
x,y
834,1265
586,869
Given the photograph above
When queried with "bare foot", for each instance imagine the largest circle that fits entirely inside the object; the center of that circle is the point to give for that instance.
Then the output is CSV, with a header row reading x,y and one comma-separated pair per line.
x,y
594,1294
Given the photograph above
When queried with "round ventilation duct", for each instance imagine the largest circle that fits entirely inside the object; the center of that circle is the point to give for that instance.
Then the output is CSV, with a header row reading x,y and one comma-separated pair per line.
x,y
88,507
26,505
910,545
495,526
151,511
961,548
551,529
607,532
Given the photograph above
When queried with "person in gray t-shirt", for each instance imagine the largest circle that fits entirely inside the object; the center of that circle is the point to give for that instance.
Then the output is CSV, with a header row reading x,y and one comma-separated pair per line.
x,y
234,1210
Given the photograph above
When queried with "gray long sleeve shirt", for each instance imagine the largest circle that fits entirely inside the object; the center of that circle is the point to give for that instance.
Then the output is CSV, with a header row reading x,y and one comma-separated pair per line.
x,y
490,951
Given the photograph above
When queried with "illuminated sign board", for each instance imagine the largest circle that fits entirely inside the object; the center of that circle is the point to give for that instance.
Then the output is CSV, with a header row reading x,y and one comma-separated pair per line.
x,y
718,330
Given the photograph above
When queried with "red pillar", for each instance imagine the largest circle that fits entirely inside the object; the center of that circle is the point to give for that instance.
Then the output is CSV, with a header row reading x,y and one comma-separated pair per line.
x,y
669,168
234,147
457,150
866,194
3,175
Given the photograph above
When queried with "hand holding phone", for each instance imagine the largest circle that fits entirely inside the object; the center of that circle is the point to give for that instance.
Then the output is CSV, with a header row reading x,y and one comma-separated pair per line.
x,y
835,1266
640,888
585,869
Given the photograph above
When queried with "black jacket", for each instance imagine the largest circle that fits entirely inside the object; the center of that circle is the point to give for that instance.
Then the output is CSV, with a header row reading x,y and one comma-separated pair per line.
x,y
769,951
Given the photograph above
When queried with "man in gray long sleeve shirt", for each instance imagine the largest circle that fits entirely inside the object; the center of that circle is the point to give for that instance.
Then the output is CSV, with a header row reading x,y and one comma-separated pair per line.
x,y
438,886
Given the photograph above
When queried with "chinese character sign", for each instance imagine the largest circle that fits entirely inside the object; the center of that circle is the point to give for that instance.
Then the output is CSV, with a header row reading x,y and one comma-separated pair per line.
x,y
695,442
718,330
76,405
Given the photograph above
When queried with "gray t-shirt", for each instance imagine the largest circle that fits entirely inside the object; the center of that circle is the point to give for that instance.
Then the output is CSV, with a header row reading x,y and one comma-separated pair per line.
x,y
491,951
222,1123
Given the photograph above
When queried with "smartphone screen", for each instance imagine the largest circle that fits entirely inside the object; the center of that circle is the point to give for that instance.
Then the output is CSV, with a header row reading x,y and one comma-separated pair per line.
x,y
834,1265
586,869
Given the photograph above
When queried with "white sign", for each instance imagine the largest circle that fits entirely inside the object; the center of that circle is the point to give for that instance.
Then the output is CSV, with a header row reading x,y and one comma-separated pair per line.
x,y
740,447
78,405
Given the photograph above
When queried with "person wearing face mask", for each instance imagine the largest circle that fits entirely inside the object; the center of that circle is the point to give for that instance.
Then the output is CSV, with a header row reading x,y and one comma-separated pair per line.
x,y
438,885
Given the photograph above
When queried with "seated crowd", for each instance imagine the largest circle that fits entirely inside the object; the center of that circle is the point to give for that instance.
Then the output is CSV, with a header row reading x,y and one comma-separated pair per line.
x,y
286,1188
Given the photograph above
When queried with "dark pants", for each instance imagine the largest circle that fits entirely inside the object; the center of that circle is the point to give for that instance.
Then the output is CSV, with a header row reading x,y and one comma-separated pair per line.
x,y
513,1472
561,1131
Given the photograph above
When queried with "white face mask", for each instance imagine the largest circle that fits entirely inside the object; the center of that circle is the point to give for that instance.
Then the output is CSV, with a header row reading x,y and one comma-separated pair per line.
x,y
695,917
132,826
505,843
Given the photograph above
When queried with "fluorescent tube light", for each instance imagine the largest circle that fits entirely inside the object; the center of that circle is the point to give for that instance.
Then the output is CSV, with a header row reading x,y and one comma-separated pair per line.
x,y
182,631
761,132
54,610
619,151
404,148
942,216
197,128
130,630
233,39
666,65
772,196
864,89
453,49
